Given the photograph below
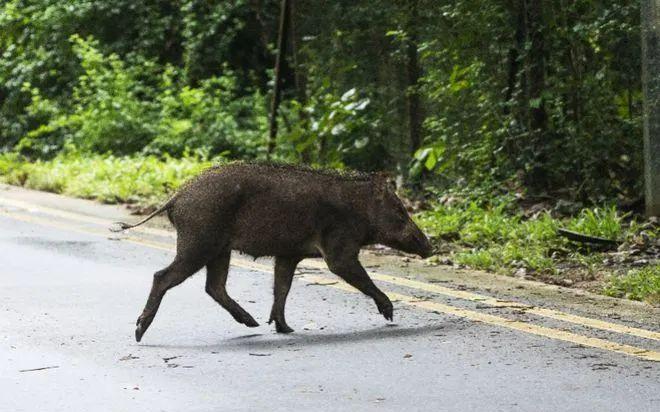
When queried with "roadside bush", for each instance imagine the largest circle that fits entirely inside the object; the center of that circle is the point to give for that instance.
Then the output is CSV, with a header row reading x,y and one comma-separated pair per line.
x,y
499,239
212,116
331,129
106,115
114,111
146,180
637,284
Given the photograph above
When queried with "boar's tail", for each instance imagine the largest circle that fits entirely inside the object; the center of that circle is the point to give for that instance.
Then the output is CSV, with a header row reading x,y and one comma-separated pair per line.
x,y
119,226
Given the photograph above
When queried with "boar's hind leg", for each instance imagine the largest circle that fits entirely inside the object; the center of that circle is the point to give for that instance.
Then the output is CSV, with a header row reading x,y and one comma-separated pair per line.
x,y
174,274
216,280
348,267
284,268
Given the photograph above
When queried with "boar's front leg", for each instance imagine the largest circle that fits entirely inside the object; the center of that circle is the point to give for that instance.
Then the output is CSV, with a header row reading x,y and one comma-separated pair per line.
x,y
216,281
178,271
343,262
284,269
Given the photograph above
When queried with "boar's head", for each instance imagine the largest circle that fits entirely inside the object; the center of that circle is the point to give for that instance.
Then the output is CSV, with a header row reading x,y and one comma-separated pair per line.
x,y
392,224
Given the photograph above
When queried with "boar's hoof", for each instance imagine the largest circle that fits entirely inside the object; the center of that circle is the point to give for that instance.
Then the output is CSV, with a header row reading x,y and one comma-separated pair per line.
x,y
142,326
247,320
139,331
282,328
386,310
250,322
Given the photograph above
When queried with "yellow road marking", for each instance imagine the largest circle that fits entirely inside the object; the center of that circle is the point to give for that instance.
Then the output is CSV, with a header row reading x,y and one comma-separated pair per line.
x,y
488,300
80,217
428,305
45,222
488,319
507,323
531,328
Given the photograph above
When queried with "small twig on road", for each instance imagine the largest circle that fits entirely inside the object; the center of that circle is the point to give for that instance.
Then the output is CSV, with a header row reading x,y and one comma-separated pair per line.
x,y
39,369
321,283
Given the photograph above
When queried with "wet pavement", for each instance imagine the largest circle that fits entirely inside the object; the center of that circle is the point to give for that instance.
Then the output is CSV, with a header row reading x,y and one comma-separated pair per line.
x,y
69,301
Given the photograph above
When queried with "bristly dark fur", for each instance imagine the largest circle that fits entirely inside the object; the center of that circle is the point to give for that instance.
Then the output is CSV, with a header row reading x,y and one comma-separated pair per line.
x,y
286,211
288,167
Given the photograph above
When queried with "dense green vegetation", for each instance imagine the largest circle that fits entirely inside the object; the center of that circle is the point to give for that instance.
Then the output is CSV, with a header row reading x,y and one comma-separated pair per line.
x,y
492,235
501,238
144,180
495,103
638,284
544,96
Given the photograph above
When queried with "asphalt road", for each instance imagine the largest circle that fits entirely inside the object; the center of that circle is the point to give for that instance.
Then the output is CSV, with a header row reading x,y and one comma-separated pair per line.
x,y
69,299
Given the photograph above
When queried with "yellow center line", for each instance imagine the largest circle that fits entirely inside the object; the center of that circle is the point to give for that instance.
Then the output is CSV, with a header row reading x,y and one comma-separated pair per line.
x,y
409,300
488,300
489,319
81,217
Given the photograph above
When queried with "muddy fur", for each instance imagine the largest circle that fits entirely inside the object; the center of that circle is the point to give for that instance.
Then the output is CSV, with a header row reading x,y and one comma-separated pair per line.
x,y
285,211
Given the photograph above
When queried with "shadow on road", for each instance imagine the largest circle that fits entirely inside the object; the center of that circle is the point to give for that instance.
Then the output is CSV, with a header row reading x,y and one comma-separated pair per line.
x,y
308,338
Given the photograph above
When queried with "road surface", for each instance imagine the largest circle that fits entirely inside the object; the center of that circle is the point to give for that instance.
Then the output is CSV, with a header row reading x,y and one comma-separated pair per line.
x,y
70,293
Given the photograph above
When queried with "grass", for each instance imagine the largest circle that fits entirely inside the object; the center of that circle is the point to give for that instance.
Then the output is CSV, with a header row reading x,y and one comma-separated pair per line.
x,y
638,284
495,237
501,239
145,180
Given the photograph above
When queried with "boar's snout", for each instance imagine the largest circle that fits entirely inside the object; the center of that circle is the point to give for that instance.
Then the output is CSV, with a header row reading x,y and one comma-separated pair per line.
x,y
423,246
415,241
395,228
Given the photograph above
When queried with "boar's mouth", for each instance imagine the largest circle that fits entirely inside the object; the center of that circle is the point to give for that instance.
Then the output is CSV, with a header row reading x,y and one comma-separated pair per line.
x,y
416,243
425,249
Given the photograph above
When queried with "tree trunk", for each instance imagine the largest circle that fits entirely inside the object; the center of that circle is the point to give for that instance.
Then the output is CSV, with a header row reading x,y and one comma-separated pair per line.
x,y
651,87
415,116
264,39
536,66
514,58
299,78
535,71
285,19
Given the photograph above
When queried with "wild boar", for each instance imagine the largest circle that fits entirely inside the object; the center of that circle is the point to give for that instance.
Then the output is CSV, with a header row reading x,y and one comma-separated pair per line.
x,y
289,212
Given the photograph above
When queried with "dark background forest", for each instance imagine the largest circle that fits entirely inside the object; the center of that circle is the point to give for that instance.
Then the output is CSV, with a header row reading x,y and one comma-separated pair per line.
x,y
536,97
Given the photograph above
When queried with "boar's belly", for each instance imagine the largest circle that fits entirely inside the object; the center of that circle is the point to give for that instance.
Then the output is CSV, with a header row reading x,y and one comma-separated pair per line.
x,y
274,233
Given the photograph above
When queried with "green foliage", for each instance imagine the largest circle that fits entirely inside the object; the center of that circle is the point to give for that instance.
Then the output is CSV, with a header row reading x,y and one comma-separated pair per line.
x,y
497,238
163,76
113,111
329,128
106,114
637,284
127,46
146,180
602,222
478,92
211,116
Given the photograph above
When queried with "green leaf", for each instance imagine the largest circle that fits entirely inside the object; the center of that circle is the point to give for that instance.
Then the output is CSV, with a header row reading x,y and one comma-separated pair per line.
x,y
431,160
